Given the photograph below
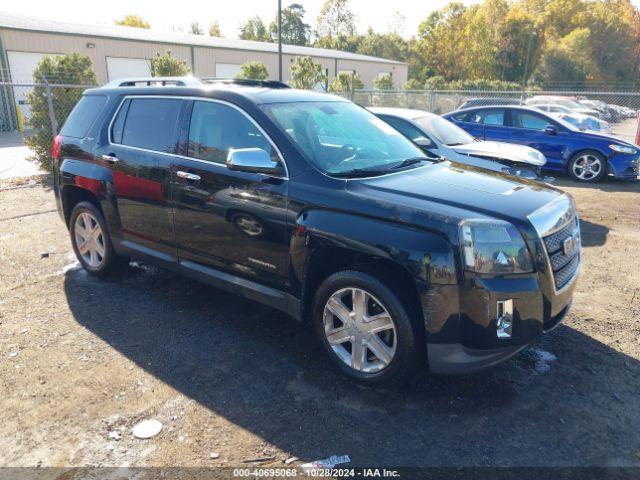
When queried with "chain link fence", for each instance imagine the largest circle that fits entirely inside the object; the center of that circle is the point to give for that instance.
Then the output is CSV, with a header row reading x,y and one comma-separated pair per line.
x,y
618,108
22,116
31,113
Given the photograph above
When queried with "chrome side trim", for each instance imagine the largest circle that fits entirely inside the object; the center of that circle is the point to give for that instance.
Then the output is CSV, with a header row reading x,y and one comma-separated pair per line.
x,y
203,99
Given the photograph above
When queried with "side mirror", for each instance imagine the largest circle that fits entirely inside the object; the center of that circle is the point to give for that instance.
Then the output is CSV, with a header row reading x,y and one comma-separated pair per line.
x,y
550,130
253,160
423,142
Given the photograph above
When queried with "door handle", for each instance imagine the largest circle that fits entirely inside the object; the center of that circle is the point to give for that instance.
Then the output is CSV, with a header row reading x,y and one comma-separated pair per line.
x,y
110,159
188,176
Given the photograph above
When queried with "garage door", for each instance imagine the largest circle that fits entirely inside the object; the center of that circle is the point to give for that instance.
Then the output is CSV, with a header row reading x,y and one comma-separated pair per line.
x,y
21,66
127,67
227,70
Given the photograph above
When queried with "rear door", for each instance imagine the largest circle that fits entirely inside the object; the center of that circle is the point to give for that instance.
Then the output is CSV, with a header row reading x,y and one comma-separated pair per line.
x,y
528,128
228,220
143,140
487,124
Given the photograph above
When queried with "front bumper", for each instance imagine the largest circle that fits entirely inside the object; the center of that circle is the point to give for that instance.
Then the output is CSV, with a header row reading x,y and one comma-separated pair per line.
x,y
456,359
624,166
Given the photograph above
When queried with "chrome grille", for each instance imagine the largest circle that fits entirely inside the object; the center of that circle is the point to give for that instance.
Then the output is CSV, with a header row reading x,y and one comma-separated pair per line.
x,y
564,266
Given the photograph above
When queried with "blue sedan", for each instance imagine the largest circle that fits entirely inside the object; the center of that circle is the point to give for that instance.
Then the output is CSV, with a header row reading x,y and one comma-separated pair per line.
x,y
586,156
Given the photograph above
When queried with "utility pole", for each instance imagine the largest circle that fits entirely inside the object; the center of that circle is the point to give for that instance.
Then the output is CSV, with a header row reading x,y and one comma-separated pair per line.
x,y
280,40
526,65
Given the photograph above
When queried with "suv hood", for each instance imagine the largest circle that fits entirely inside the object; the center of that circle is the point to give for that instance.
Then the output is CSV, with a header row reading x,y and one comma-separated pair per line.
x,y
449,193
503,151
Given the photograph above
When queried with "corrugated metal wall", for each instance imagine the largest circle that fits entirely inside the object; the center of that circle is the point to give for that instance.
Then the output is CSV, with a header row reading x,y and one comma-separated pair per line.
x,y
205,58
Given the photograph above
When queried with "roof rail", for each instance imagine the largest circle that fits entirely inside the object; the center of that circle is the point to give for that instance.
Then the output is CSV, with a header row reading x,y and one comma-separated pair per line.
x,y
155,81
249,82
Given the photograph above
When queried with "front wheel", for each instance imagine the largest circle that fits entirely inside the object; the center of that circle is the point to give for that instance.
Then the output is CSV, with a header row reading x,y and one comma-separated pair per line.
x,y
588,166
365,329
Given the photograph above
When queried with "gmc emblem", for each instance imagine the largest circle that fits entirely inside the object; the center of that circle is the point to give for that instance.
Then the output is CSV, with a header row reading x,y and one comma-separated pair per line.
x,y
570,244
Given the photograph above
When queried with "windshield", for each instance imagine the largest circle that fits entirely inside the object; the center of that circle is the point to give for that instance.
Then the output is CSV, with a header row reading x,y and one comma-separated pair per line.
x,y
340,137
444,131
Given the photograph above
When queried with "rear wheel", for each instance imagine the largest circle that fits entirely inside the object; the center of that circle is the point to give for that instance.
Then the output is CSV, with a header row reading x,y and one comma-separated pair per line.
x,y
365,329
91,242
588,166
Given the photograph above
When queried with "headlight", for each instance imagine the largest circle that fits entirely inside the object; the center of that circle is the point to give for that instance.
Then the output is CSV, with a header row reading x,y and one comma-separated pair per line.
x,y
494,246
622,149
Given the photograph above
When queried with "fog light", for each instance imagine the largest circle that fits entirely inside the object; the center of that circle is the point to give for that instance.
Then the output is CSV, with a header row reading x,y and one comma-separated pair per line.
x,y
504,325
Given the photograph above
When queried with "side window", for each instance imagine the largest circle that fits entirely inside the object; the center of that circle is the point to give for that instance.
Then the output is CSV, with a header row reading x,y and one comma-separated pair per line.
x,y
461,117
487,117
404,127
528,120
216,128
149,123
118,124
83,115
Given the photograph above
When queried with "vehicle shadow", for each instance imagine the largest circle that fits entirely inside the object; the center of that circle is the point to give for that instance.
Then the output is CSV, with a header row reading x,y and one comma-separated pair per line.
x,y
568,400
593,234
607,184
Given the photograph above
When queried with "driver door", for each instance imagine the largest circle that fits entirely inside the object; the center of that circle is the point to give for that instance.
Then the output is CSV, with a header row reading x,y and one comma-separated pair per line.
x,y
228,220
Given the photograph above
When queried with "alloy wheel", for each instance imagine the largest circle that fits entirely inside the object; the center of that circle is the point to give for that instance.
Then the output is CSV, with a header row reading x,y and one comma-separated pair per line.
x,y
587,167
360,330
89,239
249,225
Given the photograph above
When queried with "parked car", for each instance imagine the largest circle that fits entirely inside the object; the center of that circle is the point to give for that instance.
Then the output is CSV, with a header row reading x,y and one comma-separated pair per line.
x,y
441,138
583,122
483,101
568,102
586,156
605,111
393,257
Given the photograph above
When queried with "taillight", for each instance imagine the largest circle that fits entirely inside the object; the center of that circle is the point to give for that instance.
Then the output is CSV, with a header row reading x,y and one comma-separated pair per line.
x,y
55,149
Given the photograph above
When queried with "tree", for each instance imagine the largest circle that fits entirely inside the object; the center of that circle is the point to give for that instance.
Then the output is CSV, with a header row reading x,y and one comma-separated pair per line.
x,y
305,73
214,29
336,26
397,23
436,82
343,82
195,29
254,29
254,70
412,84
72,69
168,66
133,21
389,45
294,30
384,82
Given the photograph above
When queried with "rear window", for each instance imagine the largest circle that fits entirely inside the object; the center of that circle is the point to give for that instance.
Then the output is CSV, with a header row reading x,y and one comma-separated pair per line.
x,y
83,115
149,123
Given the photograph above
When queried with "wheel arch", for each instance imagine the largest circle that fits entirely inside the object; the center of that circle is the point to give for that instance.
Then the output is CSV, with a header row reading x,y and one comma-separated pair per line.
x,y
325,242
584,150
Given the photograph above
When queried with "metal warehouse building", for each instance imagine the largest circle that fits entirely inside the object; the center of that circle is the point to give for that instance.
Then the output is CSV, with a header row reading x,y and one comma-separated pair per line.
x,y
118,51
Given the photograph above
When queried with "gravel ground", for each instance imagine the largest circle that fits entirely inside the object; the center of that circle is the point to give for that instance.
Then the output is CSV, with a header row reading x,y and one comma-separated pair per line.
x,y
83,360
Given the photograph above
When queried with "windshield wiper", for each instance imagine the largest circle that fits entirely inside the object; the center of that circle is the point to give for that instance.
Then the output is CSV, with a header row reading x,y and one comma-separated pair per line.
x,y
413,161
358,172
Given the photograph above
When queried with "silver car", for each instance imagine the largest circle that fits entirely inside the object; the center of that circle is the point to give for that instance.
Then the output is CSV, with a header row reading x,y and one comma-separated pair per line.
x,y
439,137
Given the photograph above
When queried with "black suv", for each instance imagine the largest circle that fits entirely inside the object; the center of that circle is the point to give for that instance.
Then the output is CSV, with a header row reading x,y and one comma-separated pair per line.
x,y
312,205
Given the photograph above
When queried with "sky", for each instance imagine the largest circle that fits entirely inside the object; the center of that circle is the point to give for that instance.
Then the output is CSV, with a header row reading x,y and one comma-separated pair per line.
x,y
229,13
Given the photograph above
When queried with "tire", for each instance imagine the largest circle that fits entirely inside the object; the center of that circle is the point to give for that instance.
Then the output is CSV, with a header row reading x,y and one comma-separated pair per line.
x,y
581,166
391,355
98,258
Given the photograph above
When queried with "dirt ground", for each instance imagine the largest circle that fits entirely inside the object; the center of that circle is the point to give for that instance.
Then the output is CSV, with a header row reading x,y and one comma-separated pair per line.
x,y
83,360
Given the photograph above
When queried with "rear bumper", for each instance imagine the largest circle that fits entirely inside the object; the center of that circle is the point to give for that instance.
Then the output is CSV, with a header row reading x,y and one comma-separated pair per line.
x,y
455,358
